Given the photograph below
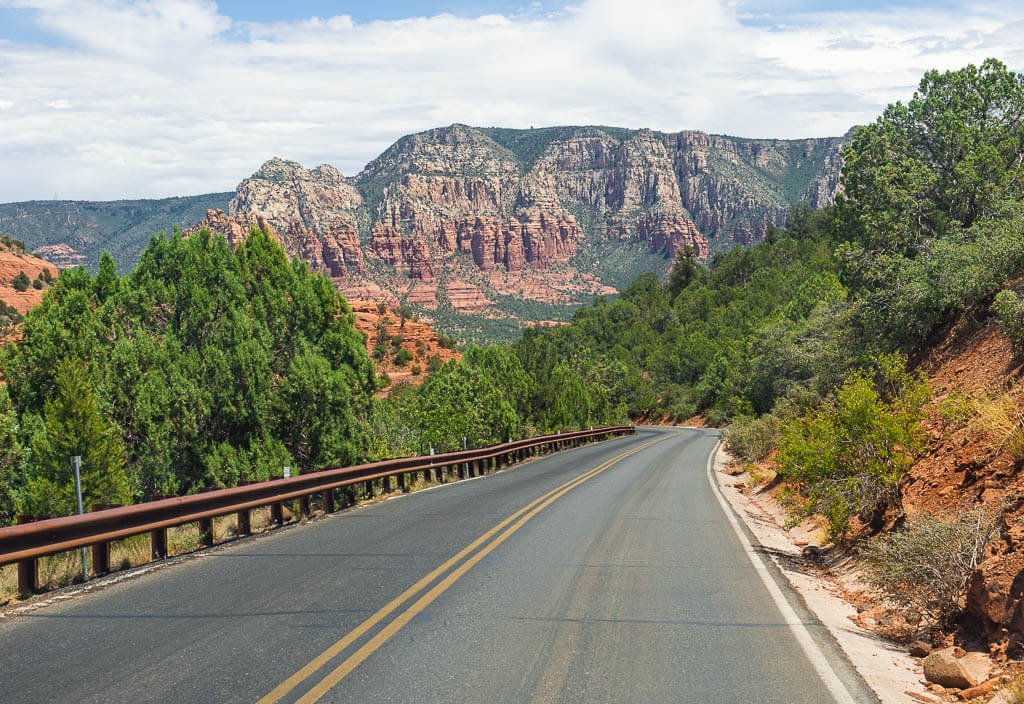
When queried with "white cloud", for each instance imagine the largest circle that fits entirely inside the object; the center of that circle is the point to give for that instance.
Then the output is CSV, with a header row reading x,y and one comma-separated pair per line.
x,y
171,97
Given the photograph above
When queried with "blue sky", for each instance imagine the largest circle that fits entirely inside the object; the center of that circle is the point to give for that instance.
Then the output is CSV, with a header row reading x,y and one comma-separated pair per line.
x,y
148,98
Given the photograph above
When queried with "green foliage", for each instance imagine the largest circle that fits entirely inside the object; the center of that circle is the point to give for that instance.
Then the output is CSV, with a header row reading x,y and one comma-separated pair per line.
x,y
931,202
403,357
449,343
75,423
850,454
212,365
433,363
752,439
12,456
21,282
944,161
1009,306
482,398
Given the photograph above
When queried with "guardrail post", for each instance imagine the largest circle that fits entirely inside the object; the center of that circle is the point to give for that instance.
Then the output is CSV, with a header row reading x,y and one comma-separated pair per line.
x,y
350,495
28,577
277,513
206,532
101,558
158,543
402,484
328,499
244,522
304,508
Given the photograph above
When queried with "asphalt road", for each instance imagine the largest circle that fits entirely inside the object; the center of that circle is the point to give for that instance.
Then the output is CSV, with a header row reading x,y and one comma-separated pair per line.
x,y
621,581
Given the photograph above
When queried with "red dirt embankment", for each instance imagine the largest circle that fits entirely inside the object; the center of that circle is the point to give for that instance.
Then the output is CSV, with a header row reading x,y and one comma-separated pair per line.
x,y
418,338
13,263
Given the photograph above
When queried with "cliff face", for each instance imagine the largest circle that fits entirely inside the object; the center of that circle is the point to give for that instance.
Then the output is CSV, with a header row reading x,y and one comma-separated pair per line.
x,y
489,221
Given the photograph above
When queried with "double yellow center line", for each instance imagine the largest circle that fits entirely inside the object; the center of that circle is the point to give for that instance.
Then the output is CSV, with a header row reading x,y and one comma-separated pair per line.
x,y
510,525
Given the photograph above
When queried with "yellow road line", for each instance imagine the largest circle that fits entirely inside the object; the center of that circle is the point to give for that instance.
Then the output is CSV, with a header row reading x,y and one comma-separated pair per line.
x,y
385,634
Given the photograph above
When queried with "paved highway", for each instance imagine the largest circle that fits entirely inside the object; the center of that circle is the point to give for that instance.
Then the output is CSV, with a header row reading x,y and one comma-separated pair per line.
x,y
607,573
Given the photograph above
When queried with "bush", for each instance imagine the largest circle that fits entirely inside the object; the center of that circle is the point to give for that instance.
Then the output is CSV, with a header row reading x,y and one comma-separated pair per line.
x,y
415,369
849,455
434,363
21,282
925,568
403,357
37,285
1009,306
752,439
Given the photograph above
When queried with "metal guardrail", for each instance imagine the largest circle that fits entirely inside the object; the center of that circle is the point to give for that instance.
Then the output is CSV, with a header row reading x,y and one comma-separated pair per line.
x,y
26,542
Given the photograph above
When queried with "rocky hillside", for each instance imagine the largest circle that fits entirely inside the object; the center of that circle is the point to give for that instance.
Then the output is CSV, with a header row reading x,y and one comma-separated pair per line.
x,y
387,334
23,281
486,228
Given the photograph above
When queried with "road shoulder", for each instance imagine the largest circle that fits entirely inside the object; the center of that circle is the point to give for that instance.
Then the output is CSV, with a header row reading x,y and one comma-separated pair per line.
x,y
890,672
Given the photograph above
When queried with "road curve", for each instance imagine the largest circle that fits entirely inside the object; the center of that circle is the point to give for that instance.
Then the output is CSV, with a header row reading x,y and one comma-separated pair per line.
x,y
608,573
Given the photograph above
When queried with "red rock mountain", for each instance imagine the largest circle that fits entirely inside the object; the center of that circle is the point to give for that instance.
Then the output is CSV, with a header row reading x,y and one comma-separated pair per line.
x,y
509,224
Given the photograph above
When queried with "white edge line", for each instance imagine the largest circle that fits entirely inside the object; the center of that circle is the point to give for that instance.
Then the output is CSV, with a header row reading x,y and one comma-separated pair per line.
x,y
828,675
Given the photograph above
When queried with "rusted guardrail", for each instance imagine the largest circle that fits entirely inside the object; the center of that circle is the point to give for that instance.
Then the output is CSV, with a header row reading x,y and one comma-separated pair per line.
x,y
26,542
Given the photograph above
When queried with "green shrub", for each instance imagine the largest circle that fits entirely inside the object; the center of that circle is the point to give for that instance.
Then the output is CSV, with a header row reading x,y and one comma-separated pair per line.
x,y
925,567
21,282
752,439
1009,306
37,285
434,363
403,357
415,369
849,455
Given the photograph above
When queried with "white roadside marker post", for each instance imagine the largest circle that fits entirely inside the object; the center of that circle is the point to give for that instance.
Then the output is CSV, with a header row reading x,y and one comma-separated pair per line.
x,y
76,464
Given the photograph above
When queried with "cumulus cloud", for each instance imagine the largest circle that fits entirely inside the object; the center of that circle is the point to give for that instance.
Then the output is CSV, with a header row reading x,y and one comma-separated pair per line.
x,y
165,97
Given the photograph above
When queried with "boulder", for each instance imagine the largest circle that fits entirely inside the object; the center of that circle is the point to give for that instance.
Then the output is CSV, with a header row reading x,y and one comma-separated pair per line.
x,y
943,667
920,648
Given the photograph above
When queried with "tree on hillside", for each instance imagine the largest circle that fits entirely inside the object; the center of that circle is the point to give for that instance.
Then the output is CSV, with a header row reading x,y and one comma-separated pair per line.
x,y
21,282
943,161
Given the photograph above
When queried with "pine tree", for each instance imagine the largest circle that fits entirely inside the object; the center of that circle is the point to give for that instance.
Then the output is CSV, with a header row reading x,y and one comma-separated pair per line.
x,y
76,424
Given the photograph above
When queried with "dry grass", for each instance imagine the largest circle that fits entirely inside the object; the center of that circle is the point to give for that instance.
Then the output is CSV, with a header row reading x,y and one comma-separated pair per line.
x,y
1000,420
1015,690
